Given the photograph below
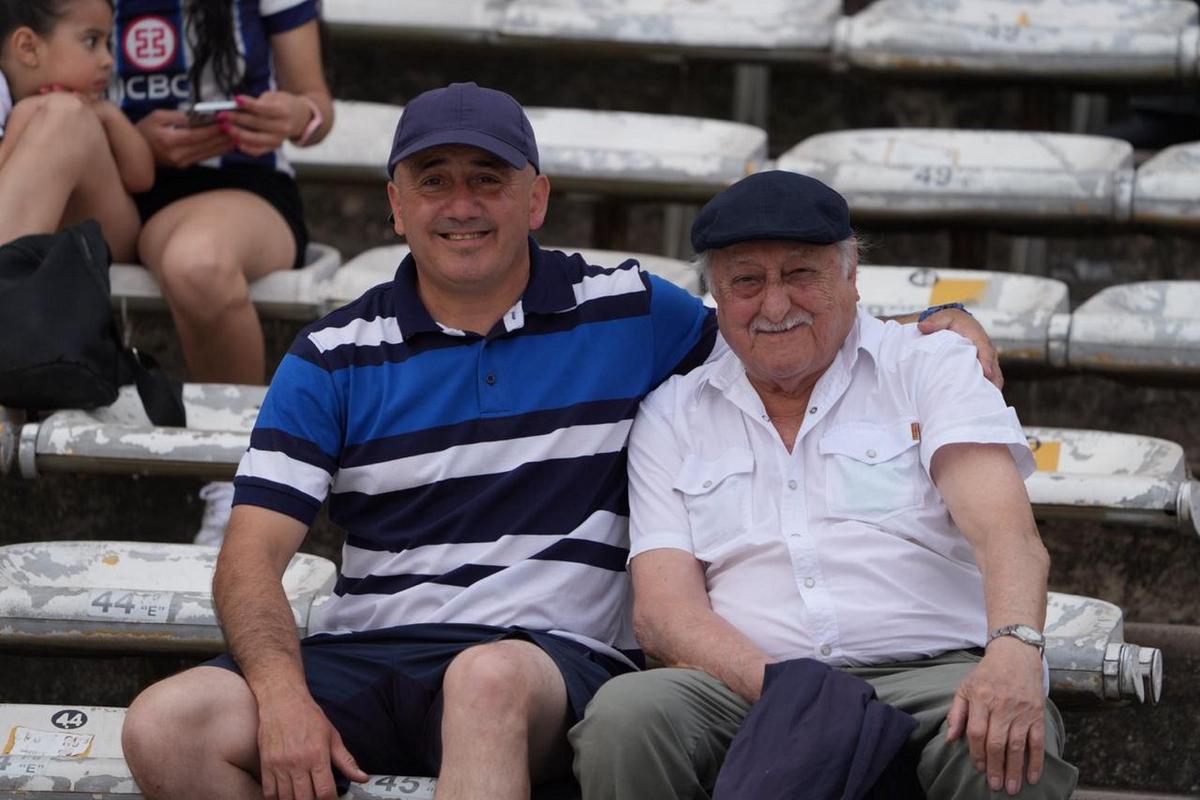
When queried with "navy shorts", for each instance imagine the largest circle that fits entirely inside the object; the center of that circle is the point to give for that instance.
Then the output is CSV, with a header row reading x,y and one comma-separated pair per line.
x,y
382,689
268,183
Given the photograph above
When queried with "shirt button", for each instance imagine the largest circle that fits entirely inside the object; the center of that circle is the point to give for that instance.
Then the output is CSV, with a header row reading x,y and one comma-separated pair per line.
x,y
809,582
707,484
792,484
826,649
812,410
871,454
491,380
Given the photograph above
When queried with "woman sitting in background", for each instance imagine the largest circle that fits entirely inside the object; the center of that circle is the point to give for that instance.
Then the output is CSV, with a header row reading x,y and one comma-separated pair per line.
x,y
224,210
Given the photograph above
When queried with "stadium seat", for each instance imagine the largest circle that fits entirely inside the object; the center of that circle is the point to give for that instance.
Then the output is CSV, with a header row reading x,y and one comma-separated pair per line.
x,y
287,294
132,597
1149,328
1164,190
379,264
607,152
1089,659
939,176
1089,40
1112,477
120,439
1017,311
790,29
462,20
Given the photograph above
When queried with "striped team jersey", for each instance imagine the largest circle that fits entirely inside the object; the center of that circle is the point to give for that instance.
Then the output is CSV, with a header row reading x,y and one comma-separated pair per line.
x,y
480,479
154,54
6,102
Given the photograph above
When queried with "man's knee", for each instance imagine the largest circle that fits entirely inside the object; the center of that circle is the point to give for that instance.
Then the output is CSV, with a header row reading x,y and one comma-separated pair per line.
x,y
499,675
199,707
947,772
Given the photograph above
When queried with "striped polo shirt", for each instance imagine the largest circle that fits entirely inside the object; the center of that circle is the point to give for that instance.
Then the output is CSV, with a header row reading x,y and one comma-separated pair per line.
x,y
480,479
154,53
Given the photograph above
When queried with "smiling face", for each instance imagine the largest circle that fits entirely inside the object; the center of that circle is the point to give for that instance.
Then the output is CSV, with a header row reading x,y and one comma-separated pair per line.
x,y
784,308
467,215
75,54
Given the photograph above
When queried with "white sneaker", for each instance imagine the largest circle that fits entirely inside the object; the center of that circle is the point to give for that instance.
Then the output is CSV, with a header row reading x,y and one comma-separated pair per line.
x,y
218,502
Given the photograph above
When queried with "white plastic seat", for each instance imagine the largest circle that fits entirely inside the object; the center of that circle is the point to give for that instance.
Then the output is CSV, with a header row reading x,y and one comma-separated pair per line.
x,y
1164,192
610,152
128,596
925,175
286,294
1015,310
1150,328
378,265
1112,477
119,438
469,20
786,28
1091,40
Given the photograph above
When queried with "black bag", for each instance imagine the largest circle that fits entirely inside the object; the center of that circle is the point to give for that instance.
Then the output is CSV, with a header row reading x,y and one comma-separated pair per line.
x,y
59,344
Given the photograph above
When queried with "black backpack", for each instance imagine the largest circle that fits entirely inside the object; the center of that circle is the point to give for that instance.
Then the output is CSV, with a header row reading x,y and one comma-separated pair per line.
x,y
59,344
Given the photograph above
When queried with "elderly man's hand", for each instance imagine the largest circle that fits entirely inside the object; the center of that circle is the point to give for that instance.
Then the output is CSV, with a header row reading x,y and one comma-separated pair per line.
x,y
962,323
1001,708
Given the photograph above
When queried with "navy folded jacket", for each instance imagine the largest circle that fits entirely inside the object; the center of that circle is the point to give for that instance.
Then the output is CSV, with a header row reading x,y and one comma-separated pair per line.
x,y
818,733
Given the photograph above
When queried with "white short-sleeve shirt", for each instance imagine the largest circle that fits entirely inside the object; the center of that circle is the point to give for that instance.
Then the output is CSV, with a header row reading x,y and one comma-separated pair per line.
x,y
6,103
841,550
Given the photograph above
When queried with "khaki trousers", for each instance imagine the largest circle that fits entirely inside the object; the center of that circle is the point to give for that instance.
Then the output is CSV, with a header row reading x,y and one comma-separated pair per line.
x,y
663,734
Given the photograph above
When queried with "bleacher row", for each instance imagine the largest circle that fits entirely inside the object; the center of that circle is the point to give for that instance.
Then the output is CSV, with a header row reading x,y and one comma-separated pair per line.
x,y
1088,40
927,176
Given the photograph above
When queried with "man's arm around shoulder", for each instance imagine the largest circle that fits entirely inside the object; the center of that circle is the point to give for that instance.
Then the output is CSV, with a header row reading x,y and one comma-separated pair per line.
x,y
296,741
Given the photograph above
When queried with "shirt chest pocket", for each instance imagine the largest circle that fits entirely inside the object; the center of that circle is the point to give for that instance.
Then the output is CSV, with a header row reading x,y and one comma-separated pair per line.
x,y
872,471
717,496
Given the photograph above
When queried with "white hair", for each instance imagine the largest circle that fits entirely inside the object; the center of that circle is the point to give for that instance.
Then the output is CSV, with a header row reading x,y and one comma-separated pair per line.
x,y
848,251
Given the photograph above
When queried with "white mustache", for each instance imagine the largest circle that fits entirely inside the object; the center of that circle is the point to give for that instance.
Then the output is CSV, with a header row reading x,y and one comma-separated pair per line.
x,y
792,320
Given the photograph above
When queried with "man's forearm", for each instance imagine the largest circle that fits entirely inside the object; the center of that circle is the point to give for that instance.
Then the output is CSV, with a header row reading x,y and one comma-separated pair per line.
x,y
255,616
701,639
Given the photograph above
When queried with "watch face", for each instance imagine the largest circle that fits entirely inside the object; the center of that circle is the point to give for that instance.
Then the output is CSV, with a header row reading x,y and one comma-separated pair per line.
x,y
1028,634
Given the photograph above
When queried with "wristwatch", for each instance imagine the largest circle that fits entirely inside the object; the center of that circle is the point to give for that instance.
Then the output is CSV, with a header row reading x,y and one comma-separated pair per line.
x,y
1025,633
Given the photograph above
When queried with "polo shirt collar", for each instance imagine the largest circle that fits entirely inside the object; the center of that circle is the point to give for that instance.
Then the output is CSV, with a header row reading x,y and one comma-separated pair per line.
x,y
549,291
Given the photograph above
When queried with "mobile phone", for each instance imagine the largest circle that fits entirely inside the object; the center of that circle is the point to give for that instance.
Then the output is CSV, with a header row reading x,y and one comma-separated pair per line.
x,y
201,114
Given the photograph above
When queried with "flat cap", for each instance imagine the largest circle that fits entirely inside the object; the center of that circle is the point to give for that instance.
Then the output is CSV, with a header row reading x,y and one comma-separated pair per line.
x,y
772,205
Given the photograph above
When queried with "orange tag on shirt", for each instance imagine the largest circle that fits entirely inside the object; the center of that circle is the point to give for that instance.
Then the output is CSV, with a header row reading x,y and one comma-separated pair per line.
x,y
916,431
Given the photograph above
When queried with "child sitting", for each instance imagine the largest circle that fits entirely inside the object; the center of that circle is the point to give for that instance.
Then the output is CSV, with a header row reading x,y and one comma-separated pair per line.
x,y
66,153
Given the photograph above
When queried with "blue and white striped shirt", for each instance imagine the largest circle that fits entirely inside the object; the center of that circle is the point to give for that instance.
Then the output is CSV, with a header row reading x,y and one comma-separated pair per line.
x,y
154,54
481,479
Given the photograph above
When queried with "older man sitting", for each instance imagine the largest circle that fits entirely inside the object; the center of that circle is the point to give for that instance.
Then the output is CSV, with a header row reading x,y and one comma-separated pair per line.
x,y
836,488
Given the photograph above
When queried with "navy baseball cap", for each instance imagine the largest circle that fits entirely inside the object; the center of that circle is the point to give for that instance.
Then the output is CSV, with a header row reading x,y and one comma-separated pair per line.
x,y
772,205
464,113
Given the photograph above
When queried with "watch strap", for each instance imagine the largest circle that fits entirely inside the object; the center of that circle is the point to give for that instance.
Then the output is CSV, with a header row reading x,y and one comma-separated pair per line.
x,y
929,312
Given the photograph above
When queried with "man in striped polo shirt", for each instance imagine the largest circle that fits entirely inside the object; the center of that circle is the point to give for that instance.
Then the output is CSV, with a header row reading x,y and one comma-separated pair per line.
x,y
468,424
